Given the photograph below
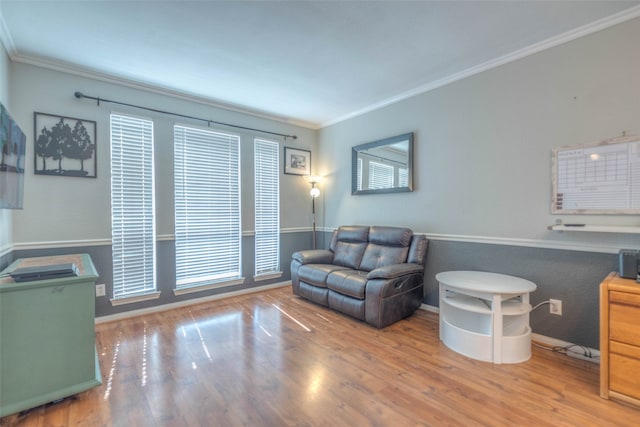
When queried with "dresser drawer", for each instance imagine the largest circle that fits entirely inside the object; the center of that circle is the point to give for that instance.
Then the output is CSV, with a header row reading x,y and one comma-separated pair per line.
x,y
624,369
617,297
624,317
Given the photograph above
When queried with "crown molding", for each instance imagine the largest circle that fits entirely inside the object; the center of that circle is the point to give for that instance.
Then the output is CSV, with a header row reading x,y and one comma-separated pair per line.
x,y
601,24
74,70
549,43
5,35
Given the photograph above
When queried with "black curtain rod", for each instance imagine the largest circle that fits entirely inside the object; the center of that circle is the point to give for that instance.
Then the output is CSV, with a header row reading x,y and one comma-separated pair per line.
x,y
98,99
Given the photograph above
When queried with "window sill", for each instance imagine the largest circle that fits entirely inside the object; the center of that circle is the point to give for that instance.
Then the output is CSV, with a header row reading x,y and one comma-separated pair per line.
x,y
192,289
134,299
267,276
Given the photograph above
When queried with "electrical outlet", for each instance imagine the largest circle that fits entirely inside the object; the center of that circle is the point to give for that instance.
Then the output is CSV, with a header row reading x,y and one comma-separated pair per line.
x,y
100,290
555,306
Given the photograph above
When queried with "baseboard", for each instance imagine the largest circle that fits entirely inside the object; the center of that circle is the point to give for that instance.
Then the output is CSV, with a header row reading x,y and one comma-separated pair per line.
x,y
548,342
431,308
186,303
556,343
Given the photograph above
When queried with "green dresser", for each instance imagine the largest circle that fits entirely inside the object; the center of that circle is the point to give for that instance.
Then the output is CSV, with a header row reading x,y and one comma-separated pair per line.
x,y
47,335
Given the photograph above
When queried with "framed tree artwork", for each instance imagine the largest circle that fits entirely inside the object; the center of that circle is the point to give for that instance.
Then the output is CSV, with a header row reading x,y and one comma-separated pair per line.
x,y
297,162
64,146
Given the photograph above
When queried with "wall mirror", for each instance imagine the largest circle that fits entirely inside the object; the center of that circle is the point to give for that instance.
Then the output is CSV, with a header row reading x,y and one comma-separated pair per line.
x,y
384,166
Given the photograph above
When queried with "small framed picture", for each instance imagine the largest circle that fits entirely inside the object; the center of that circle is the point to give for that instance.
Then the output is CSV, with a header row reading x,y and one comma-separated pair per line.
x,y
297,162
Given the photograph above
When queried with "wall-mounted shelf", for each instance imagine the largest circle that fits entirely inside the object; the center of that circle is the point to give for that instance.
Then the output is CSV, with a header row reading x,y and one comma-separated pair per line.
x,y
597,228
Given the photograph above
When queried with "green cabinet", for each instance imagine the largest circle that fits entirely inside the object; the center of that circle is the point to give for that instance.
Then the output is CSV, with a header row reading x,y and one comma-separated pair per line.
x,y
47,335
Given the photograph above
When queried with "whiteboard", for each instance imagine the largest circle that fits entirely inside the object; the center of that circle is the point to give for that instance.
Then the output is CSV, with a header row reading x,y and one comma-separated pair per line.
x,y
600,178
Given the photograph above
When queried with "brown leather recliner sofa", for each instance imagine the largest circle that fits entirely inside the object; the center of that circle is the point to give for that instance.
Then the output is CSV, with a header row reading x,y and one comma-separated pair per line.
x,y
374,274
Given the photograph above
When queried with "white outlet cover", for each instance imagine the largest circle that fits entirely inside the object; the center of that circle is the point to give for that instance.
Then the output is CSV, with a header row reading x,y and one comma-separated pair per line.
x,y
100,290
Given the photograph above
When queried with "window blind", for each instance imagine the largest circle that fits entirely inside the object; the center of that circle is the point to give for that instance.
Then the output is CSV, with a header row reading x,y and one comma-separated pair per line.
x,y
132,206
267,206
207,206
403,177
380,175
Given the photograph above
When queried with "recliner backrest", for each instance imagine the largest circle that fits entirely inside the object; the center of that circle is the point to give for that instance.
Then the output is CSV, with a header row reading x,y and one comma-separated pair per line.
x,y
367,248
387,246
418,249
348,244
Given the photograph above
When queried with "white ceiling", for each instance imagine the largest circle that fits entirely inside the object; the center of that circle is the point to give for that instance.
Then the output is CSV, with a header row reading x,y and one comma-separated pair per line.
x,y
306,62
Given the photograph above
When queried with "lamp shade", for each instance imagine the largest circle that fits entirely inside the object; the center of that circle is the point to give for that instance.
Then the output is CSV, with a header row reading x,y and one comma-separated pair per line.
x,y
313,179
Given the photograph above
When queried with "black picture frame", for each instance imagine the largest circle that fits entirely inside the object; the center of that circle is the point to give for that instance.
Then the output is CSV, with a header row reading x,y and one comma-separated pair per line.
x,y
296,161
68,144
13,146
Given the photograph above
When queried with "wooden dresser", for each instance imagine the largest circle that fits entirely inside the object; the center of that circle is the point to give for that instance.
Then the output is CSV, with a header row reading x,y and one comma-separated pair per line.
x,y
620,339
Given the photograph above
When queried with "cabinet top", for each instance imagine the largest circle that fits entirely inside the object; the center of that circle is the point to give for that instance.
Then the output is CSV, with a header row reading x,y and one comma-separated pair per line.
x,y
86,270
483,281
614,282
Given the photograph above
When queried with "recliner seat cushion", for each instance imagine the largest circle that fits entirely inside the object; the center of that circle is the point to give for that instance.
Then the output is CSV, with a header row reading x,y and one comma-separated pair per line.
x,y
348,282
316,274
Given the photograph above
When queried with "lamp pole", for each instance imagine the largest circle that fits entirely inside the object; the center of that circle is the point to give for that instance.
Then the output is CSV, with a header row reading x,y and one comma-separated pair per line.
x,y
315,192
313,212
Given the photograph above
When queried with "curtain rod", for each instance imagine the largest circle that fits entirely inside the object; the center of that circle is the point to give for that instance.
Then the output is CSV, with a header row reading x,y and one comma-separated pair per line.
x,y
80,95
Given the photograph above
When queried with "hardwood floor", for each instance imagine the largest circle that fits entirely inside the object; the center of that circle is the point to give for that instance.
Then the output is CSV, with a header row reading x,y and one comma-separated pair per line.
x,y
272,359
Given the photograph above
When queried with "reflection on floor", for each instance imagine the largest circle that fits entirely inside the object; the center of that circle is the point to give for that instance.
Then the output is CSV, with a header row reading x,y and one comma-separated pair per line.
x,y
272,359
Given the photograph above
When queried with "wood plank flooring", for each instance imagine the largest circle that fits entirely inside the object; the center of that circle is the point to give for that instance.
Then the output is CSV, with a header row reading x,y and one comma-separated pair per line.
x,y
273,359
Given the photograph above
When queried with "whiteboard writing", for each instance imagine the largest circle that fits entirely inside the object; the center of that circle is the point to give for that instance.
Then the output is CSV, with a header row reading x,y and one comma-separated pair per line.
x,y
597,178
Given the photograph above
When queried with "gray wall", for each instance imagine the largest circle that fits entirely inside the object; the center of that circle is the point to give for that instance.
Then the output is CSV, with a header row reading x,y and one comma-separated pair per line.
x,y
79,209
71,215
483,171
570,276
165,269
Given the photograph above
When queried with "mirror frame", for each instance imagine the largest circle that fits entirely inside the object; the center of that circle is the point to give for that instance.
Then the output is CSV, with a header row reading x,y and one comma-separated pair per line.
x,y
380,143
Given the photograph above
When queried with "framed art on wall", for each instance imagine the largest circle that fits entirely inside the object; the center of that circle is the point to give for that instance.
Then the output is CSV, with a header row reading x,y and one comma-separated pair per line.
x,y
297,162
13,144
64,146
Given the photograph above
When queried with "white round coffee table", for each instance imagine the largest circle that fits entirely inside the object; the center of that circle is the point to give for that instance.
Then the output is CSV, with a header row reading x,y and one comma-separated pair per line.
x,y
485,315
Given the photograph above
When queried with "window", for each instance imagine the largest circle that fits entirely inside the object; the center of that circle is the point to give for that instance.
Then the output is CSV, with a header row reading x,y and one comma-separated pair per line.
x,y
132,207
207,209
267,207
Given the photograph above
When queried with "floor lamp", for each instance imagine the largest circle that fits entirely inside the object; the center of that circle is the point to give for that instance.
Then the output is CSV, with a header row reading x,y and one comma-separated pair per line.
x,y
315,192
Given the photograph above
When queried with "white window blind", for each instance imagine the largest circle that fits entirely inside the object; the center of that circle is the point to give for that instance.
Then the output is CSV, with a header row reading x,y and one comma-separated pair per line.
x,y
132,206
403,177
380,175
359,175
207,207
267,206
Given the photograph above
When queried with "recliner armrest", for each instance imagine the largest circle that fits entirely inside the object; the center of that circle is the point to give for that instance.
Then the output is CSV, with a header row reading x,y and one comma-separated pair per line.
x,y
313,256
395,270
